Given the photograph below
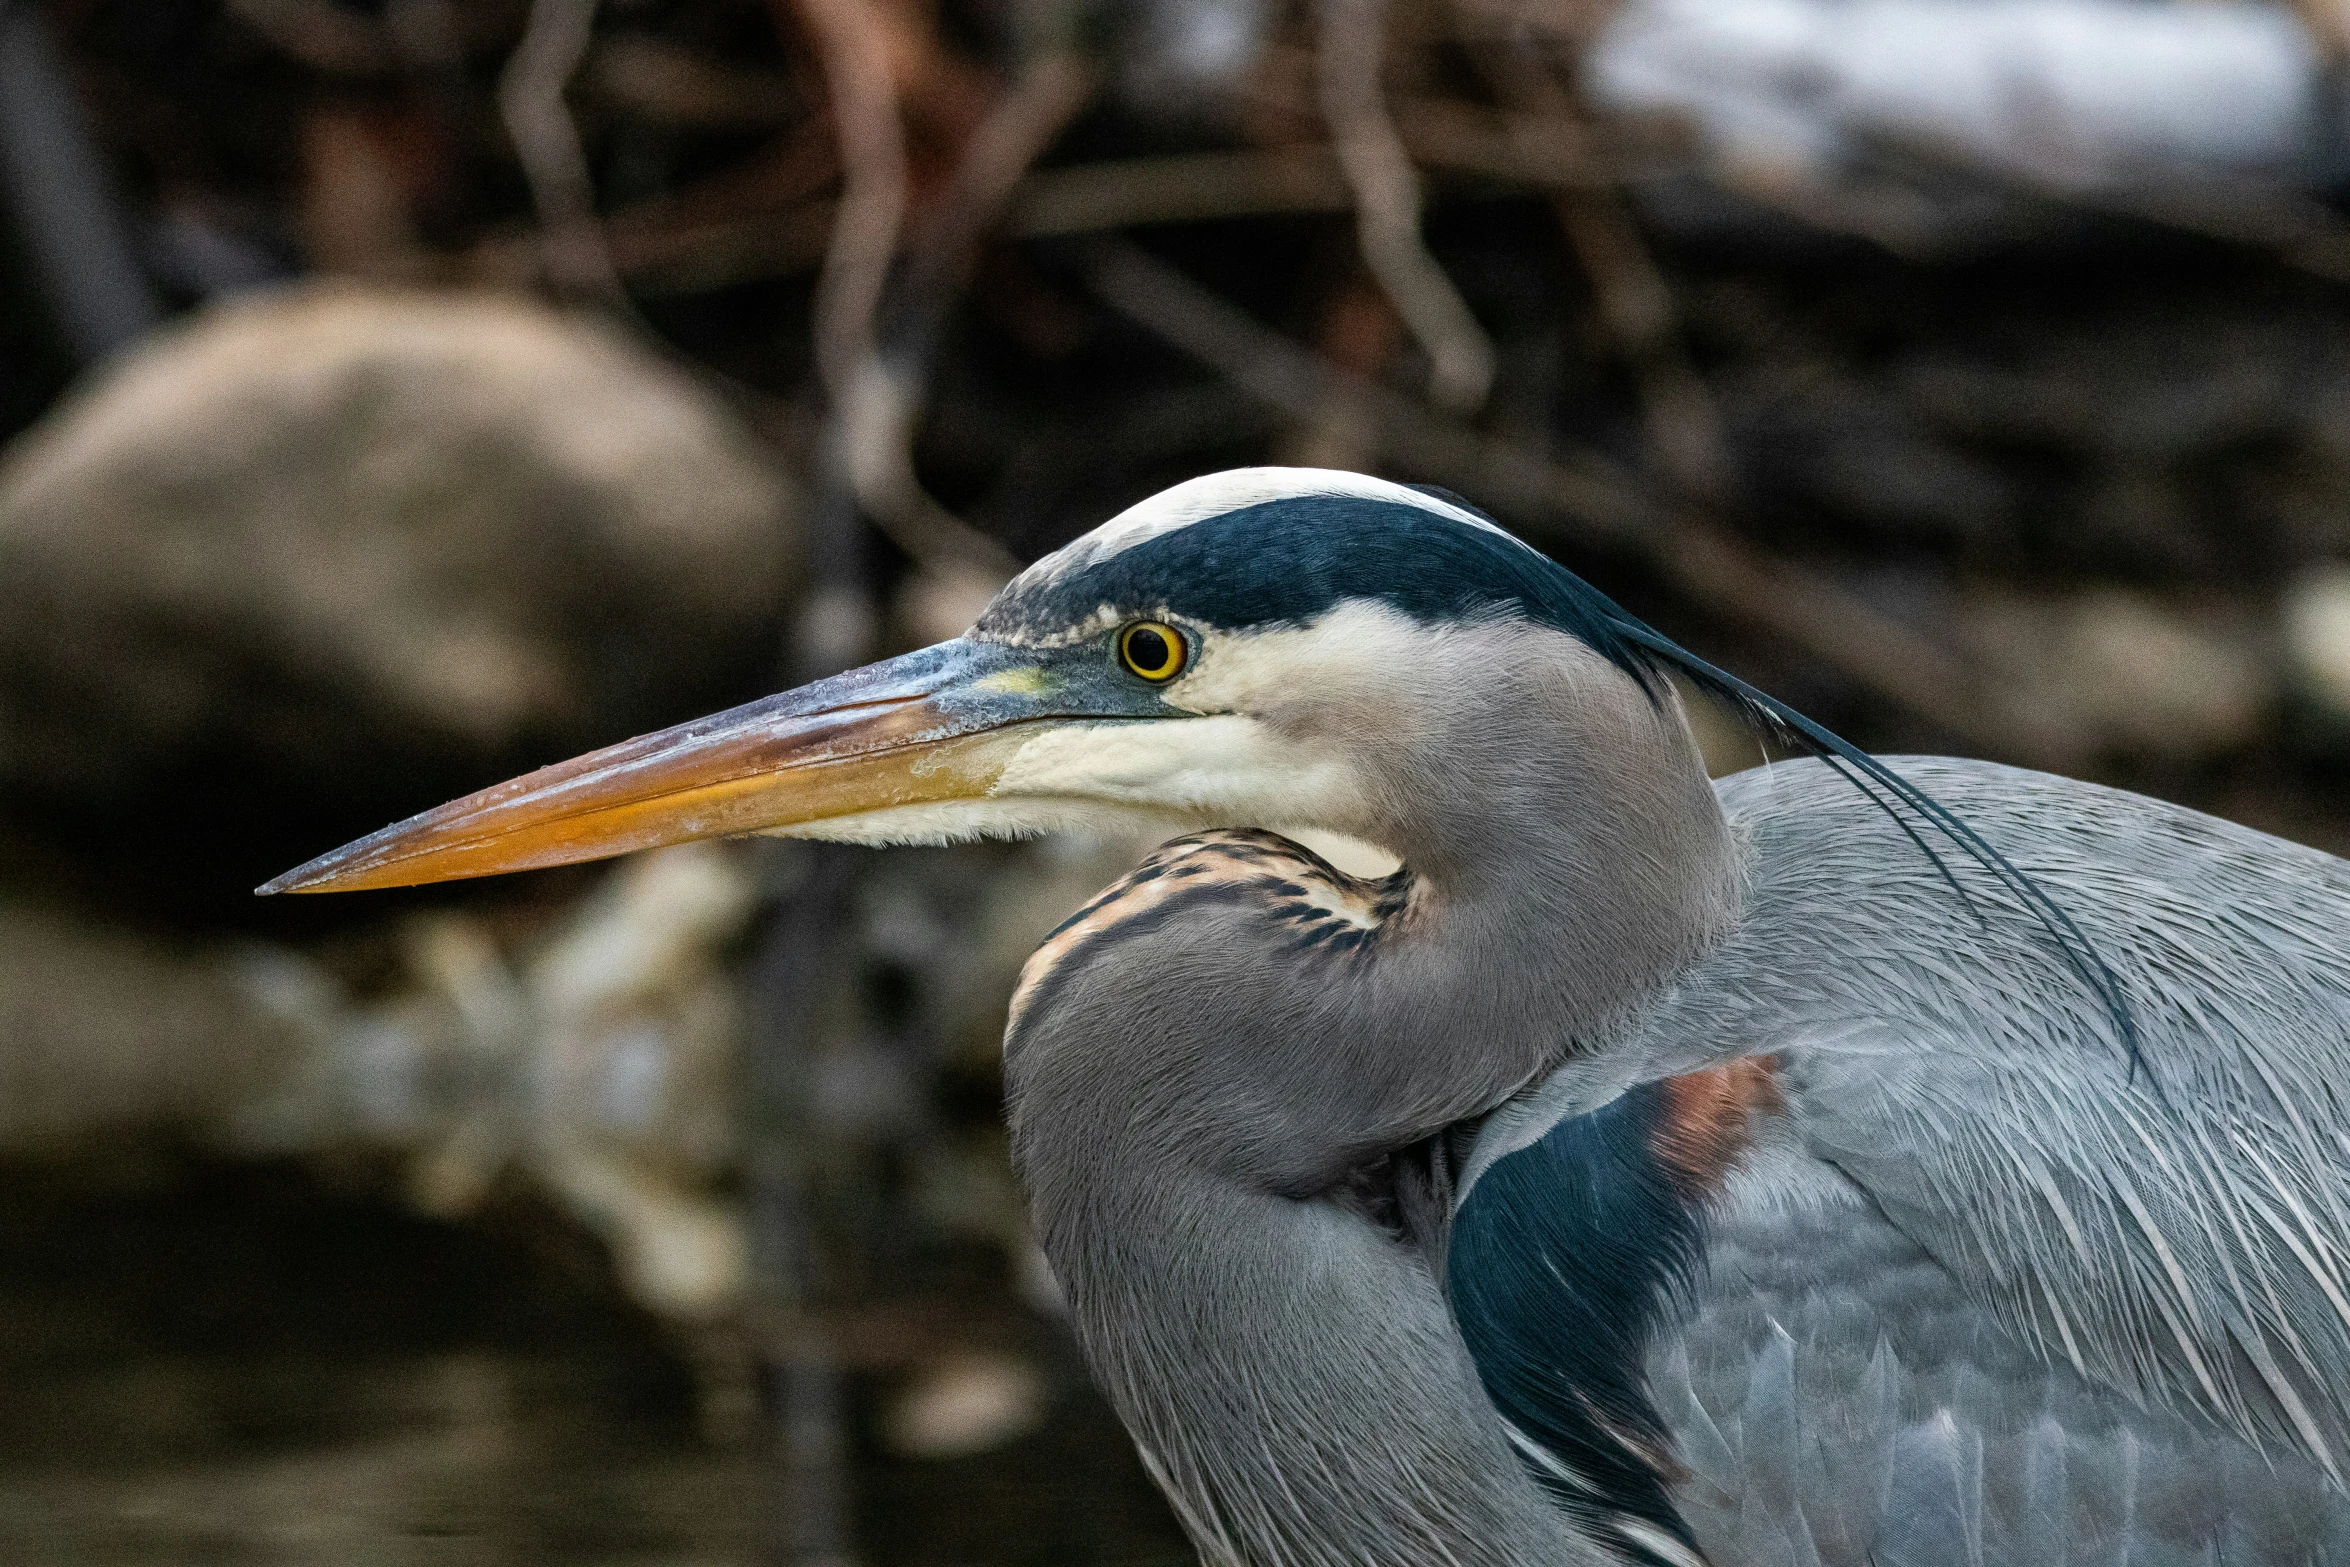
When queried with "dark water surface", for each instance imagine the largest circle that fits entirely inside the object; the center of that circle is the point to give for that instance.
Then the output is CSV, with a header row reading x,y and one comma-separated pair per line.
x,y
240,1367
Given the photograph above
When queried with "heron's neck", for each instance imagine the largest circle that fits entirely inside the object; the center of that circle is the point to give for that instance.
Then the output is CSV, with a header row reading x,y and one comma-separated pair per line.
x,y
1560,879
1199,1063
1291,1375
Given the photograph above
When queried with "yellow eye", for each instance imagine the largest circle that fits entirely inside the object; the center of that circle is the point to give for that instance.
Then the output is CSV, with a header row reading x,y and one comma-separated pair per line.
x,y
1153,650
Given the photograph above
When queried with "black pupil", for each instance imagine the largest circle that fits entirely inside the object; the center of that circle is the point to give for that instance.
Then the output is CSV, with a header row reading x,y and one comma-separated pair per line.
x,y
1147,650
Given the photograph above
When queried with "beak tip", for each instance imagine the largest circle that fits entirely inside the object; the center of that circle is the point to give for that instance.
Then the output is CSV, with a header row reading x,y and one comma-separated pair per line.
x,y
311,876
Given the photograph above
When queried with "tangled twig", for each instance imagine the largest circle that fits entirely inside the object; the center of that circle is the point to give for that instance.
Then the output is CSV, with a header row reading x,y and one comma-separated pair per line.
x,y
873,187
873,402
1387,206
1635,303
530,96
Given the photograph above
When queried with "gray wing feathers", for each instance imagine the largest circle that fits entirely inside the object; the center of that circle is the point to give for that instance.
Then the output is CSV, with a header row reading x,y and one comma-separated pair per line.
x,y
1838,1398
2180,1234
1934,1506
2185,1268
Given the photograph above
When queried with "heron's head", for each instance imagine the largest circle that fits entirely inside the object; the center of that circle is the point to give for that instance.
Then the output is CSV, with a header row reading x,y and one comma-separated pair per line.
x,y
1293,649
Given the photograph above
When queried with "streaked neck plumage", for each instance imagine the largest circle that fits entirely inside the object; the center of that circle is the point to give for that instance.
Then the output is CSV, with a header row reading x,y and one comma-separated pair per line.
x,y
1203,1063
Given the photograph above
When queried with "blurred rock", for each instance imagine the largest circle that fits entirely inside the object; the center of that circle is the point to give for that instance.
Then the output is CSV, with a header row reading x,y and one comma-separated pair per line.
x,y
355,549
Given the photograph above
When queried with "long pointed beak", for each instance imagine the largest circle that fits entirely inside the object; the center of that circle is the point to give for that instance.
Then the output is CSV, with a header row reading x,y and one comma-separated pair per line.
x,y
916,730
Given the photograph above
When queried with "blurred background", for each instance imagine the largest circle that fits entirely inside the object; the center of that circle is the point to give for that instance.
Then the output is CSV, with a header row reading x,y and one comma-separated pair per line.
x,y
401,394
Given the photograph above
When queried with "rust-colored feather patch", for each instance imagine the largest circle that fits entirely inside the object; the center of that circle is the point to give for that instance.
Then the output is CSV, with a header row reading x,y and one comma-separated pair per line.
x,y
1710,1119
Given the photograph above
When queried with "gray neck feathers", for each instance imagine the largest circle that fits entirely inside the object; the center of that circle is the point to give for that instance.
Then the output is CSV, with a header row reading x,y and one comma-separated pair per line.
x,y
1194,1087
1562,833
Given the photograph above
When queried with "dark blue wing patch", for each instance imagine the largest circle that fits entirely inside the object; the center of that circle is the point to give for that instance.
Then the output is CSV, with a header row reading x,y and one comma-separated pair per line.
x,y
1561,1261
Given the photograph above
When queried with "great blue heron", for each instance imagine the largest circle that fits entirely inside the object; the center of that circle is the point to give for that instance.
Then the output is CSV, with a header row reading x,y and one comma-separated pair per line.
x,y
1900,1162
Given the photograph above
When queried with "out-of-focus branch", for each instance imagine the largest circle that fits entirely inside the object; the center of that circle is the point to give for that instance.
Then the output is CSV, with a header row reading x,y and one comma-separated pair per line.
x,y
530,95
728,230
1387,205
1543,152
1683,427
1592,501
873,402
762,218
341,42
854,49
1186,187
1455,138
1016,132
1583,500
1634,301
2296,228
321,34
674,86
